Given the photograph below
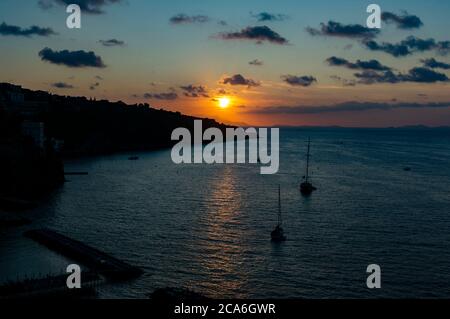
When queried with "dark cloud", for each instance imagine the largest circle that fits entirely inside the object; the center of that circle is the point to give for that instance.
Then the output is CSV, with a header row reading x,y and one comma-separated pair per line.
x,y
62,85
352,106
409,46
336,29
238,79
256,62
169,96
185,19
395,49
92,87
304,81
12,30
403,21
358,65
86,6
222,92
424,75
344,82
443,47
112,43
373,77
73,59
417,74
259,34
266,16
433,64
194,91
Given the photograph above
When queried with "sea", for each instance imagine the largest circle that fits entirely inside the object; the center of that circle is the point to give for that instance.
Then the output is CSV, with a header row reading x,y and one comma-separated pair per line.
x,y
383,198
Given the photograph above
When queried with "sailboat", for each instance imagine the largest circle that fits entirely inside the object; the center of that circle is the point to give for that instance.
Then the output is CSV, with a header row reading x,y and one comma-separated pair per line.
x,y
306,188
278,233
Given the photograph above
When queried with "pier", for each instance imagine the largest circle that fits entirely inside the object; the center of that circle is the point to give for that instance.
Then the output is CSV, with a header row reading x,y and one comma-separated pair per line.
x,y
100,262
50,286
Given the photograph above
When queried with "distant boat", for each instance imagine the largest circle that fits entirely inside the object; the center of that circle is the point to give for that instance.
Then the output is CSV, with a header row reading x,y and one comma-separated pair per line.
x,y
133,158
278,233
306,188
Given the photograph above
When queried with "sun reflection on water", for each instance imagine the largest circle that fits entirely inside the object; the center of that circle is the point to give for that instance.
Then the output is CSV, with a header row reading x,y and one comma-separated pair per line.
x,y
222,240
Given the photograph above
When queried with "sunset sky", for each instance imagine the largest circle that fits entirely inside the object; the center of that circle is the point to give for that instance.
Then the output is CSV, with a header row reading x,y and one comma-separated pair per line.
x,y
285,62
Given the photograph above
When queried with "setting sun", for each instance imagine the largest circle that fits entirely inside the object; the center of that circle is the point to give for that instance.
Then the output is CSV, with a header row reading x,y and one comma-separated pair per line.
x,y
224,102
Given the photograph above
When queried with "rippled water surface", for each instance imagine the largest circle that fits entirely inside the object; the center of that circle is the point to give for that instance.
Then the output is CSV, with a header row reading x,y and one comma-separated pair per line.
x,y
208,227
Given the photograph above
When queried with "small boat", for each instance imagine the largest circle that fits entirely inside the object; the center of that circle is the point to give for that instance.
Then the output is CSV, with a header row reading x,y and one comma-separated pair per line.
x,y
133,158
278,233
307,188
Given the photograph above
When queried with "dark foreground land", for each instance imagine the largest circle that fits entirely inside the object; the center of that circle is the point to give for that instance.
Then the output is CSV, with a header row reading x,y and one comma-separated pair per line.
x,y
27,172
31,163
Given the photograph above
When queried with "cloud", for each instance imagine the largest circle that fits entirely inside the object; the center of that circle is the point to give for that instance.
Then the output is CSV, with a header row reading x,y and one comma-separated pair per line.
x,y
12,30
352,106
396,50
169,96
259,34
265,16
336,29
433,64
238,79
404,21
73,59
304,81
409,46
86,6
417,74
424,75
62,85
358,65
373,77
344,82
256,62
94,86
185,19
112,43
222,92
194,91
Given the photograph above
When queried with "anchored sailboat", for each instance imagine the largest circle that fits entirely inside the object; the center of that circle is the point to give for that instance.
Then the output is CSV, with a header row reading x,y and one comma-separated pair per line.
x,y
278,233
306,188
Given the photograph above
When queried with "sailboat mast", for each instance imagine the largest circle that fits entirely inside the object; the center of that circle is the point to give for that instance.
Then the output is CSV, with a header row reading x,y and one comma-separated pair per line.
x,y
307,160
279,206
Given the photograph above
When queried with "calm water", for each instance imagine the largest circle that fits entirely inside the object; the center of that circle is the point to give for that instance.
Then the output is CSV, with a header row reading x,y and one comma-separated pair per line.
x,y
207,227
